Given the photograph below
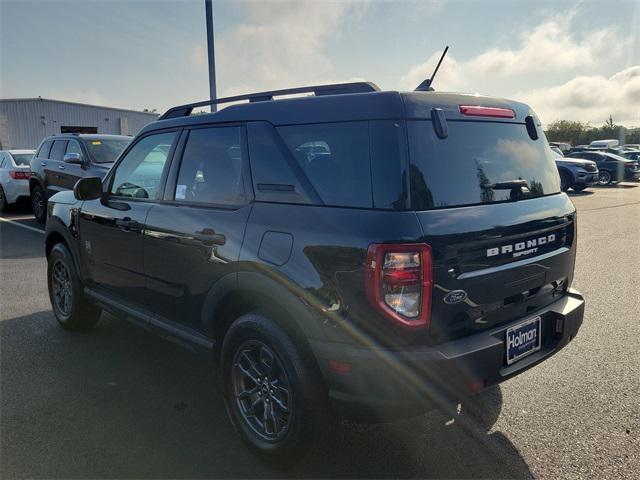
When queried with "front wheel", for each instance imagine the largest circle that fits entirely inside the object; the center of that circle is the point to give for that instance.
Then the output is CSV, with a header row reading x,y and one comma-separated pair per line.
x,y
39,204
273,391
70,307
604,177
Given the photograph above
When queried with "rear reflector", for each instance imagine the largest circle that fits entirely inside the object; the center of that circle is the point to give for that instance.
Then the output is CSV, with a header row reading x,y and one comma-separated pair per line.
x,y
19,174
342,368
477,111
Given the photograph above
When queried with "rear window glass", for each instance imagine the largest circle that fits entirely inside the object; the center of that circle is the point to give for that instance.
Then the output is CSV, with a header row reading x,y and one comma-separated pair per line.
x,y
462,168
106,150
335,159
22,159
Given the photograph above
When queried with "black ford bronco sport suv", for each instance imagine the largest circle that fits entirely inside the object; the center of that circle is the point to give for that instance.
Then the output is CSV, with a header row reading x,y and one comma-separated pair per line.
x,y
372,254
61,160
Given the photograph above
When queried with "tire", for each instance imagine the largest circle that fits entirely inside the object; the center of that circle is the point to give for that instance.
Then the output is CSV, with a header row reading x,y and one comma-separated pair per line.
x,y
256,345
3,200
604,177
39,204
579,188
565,181
70,307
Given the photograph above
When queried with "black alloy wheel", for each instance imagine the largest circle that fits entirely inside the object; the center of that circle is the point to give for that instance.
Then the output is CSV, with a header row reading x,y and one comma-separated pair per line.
x,y
62,288
39,205
262,390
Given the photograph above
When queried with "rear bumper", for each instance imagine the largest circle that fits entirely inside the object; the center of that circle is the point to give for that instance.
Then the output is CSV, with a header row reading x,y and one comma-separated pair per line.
x,y
385,384
15,190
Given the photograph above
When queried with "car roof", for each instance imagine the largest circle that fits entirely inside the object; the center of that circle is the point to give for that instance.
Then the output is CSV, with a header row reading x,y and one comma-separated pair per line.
x,y
347,107
18,152
89,136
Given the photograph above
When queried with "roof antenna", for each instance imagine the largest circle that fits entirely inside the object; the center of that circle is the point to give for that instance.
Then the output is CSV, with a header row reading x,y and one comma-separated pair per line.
x,y
425,86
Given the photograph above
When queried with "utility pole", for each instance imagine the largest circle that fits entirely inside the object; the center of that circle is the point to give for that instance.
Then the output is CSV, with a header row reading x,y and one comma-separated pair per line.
x,y
211,57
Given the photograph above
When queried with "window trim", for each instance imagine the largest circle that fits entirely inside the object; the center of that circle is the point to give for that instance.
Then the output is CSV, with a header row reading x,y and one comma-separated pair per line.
x,y
172,178
108,180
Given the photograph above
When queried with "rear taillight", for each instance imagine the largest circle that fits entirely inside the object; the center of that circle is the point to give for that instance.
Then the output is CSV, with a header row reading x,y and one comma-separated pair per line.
x,y
477,111
19,175
399,281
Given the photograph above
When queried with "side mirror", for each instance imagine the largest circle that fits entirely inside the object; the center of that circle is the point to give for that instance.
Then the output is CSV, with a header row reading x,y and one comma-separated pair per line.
x,y
74,158
88,188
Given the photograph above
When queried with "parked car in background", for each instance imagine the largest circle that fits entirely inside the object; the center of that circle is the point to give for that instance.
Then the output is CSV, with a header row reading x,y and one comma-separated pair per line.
x,y
14,176
64,159
564,147
577,174
557,151
355,252
578,148
631,146
612,168
631,155
604,143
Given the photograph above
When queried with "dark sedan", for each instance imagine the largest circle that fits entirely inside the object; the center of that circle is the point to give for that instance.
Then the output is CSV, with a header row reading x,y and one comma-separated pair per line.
x,y
613,168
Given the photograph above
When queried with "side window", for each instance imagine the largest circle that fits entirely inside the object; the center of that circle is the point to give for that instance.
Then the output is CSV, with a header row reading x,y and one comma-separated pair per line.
x,y
211,167
139,173
73,147
335,159
44,149
57,151
274,179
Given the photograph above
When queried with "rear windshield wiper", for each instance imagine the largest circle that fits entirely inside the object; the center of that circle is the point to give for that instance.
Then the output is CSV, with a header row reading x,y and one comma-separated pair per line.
x,y
507,185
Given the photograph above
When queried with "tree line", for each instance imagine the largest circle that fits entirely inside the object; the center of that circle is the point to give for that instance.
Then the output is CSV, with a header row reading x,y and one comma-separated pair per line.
x,y
579,133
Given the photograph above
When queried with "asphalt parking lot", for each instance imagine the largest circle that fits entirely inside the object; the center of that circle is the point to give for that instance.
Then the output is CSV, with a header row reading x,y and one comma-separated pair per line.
x,y
120,403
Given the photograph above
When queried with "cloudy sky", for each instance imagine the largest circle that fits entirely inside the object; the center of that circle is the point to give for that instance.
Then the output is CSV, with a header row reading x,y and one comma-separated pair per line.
x,y
577,60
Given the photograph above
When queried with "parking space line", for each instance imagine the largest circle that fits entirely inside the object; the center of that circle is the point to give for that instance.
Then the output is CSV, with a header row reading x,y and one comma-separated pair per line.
x,y
2,219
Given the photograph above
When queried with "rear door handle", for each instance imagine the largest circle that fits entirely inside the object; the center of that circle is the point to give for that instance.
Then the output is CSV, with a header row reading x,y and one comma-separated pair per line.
x,y
44,164
61,167
209,236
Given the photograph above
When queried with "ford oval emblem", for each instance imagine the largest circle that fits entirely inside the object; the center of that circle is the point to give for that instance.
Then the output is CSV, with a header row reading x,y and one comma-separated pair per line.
x,y
455,296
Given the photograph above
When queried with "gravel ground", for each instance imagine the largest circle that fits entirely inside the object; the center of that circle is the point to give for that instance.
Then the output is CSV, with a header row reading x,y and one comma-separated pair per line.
x,y
121,403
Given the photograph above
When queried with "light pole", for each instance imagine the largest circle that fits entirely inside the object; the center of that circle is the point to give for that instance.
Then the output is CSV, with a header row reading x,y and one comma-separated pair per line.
x,y
211,53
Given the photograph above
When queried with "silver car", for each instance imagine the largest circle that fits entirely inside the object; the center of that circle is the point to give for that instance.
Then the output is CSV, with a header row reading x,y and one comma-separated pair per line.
x,y
14,176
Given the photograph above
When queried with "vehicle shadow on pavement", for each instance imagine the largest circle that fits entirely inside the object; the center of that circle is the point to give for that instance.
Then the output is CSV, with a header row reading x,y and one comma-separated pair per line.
x,y
119,402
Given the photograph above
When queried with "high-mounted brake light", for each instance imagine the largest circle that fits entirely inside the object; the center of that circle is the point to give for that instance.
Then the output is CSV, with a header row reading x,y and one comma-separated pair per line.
x,y
398,282
19,175
477,111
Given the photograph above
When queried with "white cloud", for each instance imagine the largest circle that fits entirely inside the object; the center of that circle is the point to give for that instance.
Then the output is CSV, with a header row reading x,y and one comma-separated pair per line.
x,y
547,51
549,47
281,44
590,99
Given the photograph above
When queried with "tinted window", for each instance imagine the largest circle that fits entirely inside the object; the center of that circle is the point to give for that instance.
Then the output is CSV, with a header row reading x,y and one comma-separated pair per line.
x,y
388,164
139,174
57,151
211,167
73,147
462,168
44,149
106,150
335,159
276,175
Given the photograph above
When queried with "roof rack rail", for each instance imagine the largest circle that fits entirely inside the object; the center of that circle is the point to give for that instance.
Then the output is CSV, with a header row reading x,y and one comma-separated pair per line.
x,y
318,90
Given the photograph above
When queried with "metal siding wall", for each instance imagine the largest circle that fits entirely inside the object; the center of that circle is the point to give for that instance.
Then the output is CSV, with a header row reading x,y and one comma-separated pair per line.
x,y
22,125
